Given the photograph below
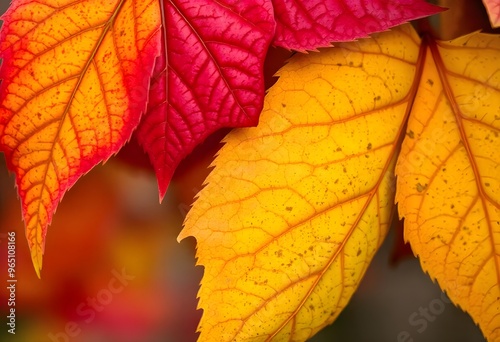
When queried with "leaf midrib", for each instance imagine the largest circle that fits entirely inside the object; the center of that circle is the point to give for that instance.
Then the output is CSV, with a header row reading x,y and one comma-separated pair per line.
x,y
409,98
459,117
107,26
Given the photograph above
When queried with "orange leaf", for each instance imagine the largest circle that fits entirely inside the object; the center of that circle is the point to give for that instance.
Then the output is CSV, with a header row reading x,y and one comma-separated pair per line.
x,y
296,208
449,174
75,82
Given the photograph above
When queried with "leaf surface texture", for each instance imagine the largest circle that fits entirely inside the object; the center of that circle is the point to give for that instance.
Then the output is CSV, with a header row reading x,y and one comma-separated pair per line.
x,y
210,75
449,174
69,99
310,24
295,208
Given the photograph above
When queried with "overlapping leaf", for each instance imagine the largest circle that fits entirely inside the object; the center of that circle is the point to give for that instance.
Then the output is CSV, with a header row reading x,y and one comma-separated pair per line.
x,y
309,24
449,175
295,208
75,81
493,8
209,76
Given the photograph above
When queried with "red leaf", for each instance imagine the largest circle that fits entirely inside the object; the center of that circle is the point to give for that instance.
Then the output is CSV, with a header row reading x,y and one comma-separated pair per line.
x,y
214,60
311,24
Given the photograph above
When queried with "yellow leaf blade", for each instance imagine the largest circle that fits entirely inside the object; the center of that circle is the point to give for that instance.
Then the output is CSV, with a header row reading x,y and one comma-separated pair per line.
x,y
295,208
449,174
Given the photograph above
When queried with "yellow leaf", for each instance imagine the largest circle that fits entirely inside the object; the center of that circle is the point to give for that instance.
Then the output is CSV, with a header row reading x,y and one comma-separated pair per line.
x,y
449,174
296,208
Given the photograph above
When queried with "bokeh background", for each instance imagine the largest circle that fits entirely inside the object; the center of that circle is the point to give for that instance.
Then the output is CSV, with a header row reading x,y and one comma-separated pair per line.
x,y
111,222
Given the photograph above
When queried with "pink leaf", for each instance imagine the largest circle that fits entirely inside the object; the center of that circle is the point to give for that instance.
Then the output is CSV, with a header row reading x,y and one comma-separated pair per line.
x,y
310,24
210,76
493,8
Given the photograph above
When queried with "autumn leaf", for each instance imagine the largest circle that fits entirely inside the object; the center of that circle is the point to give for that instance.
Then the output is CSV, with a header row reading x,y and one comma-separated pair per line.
x,y
75,79
310,24
493,8
296,208
209,77
449,174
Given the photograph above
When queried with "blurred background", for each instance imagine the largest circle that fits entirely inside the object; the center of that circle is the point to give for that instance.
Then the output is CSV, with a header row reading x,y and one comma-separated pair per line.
x,y
114,272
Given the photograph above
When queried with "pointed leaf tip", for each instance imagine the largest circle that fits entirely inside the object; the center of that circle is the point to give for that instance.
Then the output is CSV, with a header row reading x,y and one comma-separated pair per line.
x,y
210,76
75,80
448,179
36,259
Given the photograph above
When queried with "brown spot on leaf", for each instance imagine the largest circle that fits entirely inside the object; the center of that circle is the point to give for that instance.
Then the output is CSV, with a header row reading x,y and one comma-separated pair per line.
x,y
421,187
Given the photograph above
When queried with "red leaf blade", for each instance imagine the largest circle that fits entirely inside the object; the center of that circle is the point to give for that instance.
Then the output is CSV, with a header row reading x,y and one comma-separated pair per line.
x,y
310,24
209,77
